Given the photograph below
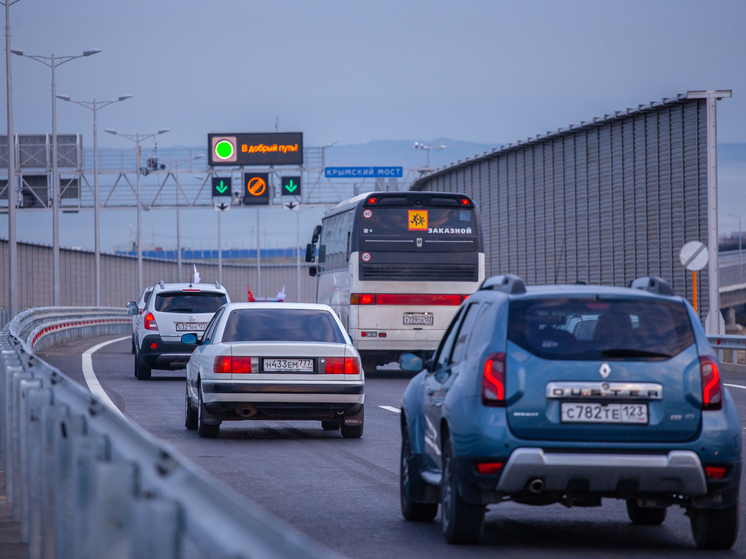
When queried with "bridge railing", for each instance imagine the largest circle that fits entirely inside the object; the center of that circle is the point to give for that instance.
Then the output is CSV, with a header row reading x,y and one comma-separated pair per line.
x,y
731,350
85,482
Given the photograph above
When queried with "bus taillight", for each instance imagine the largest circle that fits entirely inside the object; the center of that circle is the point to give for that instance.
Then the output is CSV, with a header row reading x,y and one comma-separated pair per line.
x,y
363,299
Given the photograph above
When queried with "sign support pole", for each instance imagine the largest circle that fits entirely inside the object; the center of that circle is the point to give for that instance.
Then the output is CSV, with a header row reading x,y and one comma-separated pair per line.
x,y
258,257
220,249
694,290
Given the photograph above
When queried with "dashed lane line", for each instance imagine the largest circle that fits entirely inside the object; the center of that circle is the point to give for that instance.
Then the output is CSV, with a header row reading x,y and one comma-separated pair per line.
x,y
390,408
736,386
90,377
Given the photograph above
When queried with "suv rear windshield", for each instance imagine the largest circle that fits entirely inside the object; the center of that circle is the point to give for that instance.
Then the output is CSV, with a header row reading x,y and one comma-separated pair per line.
x,y
281,325
189,302
594,329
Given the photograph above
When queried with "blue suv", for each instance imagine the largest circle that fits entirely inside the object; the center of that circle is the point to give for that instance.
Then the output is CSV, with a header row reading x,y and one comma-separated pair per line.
x,y
570,394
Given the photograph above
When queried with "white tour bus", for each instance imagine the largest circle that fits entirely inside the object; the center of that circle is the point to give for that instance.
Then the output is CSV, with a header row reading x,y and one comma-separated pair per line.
x,y
395,266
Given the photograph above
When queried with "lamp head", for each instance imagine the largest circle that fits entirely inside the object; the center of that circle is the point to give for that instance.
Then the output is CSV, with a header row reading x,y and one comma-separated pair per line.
x,y
123,97
63,97
110,131
16,51
164,130
90,52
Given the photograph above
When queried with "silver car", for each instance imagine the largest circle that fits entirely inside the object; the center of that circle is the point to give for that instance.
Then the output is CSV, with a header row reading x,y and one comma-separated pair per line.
x,y
173,309
288,361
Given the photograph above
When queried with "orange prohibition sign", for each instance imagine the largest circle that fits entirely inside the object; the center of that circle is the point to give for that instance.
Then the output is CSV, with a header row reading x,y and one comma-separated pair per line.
x,y
256,186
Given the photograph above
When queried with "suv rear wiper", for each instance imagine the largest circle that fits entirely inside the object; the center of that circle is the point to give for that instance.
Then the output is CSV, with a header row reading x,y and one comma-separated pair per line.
x,y
180,309
625,352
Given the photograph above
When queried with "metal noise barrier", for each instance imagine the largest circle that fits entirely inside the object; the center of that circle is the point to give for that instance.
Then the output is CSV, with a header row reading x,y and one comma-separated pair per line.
x,y
85,483
730,349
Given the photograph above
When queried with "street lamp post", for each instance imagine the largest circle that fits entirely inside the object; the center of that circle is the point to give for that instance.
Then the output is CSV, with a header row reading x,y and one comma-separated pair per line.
x,y
12,245
52,62
94,106
138,139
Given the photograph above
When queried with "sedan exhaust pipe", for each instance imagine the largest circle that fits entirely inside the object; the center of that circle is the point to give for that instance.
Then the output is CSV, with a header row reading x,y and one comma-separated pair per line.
x,y
536,485
246,410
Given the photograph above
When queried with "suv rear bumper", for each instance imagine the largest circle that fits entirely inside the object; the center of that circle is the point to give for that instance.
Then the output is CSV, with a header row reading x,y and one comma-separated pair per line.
x,y
678,472
165,355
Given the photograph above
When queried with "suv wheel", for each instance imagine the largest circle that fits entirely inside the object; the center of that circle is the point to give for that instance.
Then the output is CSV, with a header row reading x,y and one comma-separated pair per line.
x,y
715,528
409,483
204,430
645,516
142,371
190,419
133,344
461,522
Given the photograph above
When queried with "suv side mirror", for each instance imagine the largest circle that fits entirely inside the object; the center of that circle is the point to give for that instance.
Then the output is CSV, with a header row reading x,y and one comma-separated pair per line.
x,y
310,252
313,271
132,309
411,363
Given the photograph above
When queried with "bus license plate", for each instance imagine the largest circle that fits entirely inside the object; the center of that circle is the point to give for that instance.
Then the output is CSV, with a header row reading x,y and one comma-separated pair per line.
x,y
604,413
302,365
191,326
418,319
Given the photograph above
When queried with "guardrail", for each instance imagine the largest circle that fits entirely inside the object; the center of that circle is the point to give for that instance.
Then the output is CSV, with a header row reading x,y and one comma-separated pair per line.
x,y
731,349
86,483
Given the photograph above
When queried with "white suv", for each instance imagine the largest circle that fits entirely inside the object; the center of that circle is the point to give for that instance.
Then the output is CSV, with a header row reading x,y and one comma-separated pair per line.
x,y
173,309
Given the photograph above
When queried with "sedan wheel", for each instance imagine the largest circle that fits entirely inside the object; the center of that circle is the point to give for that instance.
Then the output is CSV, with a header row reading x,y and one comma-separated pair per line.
x,y
330,425
461,522
204,430
190,420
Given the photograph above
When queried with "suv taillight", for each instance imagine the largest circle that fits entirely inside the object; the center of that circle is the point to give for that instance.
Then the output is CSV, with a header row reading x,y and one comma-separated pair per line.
x,y
150,322
493,380
342,366
712,385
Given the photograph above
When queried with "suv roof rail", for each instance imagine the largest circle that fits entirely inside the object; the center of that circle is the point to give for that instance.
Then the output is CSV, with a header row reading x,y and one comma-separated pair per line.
x,y
654,284
508,283
161,284
217,284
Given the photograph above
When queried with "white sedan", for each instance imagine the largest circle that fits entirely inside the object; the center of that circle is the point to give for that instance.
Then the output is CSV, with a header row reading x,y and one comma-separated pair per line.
x,y
289,361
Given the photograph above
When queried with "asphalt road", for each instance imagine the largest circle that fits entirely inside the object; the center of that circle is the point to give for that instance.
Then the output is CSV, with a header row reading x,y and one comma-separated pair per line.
x,y
344,493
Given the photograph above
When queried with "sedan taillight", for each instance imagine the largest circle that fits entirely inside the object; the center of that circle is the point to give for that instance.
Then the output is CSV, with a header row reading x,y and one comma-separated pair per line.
x,y
712,385
493,380
342,366
150,322
236,365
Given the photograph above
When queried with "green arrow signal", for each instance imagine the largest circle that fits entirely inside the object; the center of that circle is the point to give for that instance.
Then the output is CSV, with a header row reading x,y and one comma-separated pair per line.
x,y
222,187
291,186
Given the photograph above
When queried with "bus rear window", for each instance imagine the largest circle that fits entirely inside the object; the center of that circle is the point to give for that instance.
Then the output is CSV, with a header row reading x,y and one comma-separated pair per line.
x,y
418,221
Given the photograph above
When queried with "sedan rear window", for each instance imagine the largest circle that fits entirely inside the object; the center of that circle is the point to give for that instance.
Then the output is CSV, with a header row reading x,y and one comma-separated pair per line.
x,y
189,302
595,329
281,325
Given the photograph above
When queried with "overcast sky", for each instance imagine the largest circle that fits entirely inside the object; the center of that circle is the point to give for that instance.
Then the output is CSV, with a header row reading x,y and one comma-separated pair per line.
x,y
484,71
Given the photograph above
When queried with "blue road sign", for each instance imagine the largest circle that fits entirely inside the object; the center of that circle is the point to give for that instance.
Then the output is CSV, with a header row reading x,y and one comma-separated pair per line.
x,y
363,172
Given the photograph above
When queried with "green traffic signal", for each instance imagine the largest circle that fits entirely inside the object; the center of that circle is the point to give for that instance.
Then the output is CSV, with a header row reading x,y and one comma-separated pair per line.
x,y
224,149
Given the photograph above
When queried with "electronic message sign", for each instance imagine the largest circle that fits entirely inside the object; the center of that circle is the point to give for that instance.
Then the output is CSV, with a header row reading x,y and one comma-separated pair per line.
x,y
256,189
290,186
255,148
221,186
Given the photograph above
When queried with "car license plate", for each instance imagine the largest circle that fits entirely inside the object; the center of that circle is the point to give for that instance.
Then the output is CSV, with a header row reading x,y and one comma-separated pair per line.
x,y
418,319
302,365
604,413
191,326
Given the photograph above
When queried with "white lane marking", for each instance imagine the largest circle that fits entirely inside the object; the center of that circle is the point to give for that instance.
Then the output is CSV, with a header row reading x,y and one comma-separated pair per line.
x,y
90,377
736,386
390,408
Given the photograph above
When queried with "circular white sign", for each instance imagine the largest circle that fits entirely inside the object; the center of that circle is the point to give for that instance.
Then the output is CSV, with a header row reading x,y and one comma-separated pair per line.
x,y
367,213
694,256
366,256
